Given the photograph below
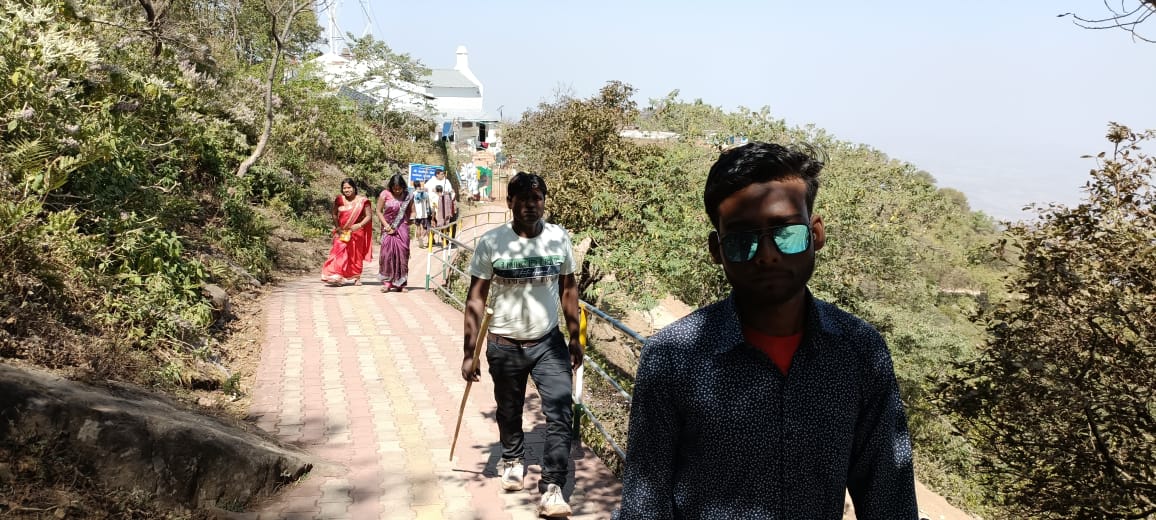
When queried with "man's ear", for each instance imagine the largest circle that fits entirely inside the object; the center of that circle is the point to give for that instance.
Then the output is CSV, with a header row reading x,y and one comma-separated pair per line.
x,y
714,246
818,232
510,202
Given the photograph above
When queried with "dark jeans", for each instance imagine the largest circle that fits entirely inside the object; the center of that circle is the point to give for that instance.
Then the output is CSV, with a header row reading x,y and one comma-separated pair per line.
x,y
548,363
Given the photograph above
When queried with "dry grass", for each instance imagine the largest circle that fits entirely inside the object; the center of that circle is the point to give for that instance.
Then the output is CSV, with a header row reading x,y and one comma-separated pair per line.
x,y
615,352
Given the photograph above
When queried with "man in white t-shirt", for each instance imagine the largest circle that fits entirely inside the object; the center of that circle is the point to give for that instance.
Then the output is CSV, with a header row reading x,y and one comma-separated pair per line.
x,y
529,265
441,213
440,179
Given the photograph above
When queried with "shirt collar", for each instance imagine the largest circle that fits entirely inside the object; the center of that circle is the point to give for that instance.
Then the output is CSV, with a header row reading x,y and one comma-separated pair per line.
x,y
731,333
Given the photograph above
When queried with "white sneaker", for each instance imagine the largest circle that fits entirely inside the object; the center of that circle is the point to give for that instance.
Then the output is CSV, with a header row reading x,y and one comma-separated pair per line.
x,y
552,503
512,470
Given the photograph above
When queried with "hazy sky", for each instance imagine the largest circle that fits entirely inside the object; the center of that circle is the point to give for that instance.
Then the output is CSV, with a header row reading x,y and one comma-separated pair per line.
x,y
996,98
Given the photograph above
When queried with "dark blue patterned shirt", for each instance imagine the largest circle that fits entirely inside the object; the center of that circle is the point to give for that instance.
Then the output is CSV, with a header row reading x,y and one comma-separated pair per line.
x,y
717,431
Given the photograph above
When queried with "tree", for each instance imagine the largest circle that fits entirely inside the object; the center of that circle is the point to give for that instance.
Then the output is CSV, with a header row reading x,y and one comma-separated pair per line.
x,y
572,134
575,145
281,24
382,69
1062,400
1127,16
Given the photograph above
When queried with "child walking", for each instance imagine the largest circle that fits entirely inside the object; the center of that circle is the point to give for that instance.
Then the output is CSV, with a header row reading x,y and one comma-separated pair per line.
x,y
421,213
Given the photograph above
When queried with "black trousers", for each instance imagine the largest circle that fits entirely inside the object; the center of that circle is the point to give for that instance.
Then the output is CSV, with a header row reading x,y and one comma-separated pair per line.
x,y
548,362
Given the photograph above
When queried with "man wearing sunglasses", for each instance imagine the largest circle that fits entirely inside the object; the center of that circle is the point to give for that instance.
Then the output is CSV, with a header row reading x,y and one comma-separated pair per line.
x,y
771,403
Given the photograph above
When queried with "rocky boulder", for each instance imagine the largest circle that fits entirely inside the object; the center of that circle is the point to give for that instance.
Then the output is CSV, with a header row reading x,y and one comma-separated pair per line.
x,y
129,439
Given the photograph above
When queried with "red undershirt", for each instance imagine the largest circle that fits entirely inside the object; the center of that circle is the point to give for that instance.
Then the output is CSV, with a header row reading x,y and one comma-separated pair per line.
x,y
781,349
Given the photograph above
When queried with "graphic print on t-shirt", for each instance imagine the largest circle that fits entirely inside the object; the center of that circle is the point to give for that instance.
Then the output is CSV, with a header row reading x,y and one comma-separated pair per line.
x,y
537,270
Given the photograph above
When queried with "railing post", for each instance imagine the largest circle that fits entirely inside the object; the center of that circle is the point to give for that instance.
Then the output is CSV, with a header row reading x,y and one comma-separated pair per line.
x,y
428,261
445,263
579,375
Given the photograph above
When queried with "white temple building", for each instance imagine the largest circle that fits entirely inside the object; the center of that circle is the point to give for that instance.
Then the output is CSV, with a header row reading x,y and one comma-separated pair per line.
x,y
453,98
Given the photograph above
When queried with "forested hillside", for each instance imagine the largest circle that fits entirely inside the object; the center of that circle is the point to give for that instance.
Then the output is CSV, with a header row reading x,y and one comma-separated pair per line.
x,y
122,192
913,259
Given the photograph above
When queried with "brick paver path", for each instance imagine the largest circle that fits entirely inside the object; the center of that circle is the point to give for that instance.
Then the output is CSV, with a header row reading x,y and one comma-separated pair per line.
x,y
369,384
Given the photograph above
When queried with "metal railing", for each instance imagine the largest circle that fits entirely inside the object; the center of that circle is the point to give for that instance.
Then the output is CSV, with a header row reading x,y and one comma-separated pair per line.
x,y
447,238
581,408
450,238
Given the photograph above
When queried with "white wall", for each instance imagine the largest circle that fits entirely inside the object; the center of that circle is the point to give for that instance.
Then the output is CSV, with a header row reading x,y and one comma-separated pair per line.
x,y
456,105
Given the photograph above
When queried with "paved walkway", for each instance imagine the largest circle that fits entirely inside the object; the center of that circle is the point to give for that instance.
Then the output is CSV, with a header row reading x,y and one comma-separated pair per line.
x,y
369,384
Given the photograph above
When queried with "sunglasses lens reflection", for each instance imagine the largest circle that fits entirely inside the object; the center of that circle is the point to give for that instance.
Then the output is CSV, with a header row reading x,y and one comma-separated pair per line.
x,y
792,239
742,246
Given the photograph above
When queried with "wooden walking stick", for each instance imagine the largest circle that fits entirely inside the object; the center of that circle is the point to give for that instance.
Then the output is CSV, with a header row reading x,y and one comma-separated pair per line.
x,y
477,352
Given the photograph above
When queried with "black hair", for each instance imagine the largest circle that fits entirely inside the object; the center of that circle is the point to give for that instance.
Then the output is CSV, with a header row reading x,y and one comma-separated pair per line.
x,y
438,188
352,183
398,180
525,182
756,161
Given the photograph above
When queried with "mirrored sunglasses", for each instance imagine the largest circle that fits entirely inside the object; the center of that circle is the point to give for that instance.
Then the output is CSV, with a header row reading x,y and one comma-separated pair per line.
x,y
741,246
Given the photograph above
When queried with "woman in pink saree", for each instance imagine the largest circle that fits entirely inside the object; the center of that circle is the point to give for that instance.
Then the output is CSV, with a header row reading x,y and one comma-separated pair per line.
x,y
394,209
352,236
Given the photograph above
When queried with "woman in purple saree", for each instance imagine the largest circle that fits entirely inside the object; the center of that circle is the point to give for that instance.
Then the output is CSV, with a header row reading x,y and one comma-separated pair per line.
x,y
394,209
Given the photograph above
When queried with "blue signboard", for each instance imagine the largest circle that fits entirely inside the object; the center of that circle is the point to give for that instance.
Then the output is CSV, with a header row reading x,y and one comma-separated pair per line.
x,y
422,172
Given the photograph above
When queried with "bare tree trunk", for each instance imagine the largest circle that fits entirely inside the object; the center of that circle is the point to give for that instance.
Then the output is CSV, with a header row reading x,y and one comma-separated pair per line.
x,y
267,126
234,9
154,14
295,7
